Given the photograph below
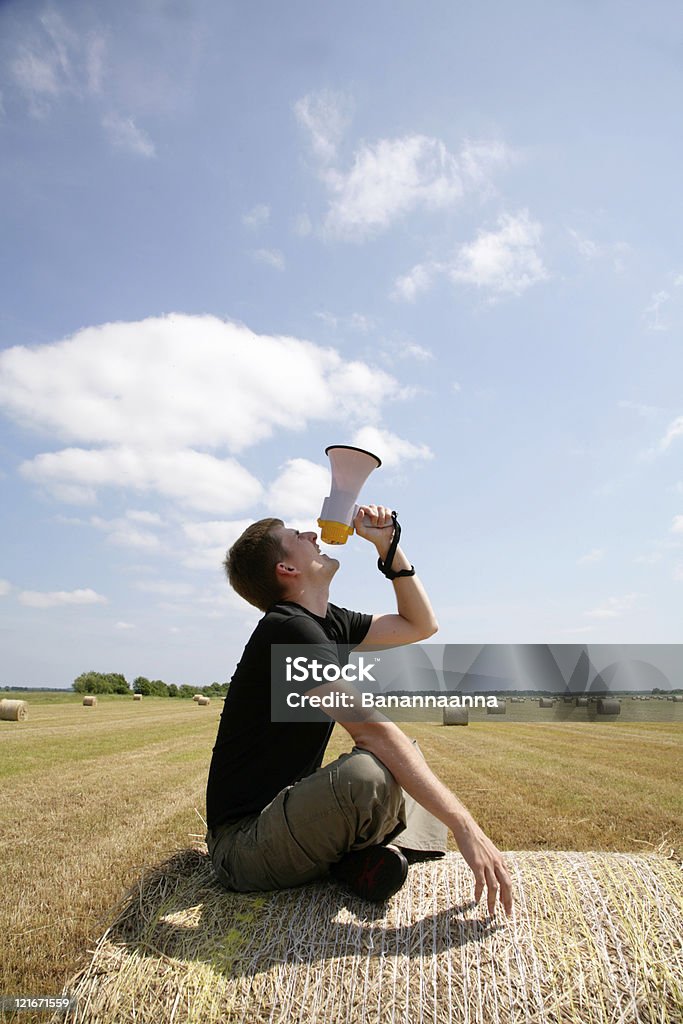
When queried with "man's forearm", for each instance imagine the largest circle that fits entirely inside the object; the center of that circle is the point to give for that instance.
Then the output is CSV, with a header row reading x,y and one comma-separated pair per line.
x,y
412,602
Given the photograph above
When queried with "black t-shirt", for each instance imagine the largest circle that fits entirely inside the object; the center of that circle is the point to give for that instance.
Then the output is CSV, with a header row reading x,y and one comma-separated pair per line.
x,y
254,758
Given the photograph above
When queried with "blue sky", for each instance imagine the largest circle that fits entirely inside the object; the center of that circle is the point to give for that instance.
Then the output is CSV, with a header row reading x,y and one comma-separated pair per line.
x,y
236,233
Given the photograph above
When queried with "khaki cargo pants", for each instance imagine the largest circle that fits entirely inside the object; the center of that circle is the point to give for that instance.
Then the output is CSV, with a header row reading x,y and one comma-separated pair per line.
x,y
349,804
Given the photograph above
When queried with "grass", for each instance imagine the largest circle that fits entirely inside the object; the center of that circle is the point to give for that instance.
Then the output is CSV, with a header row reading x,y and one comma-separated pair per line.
x,y
94,796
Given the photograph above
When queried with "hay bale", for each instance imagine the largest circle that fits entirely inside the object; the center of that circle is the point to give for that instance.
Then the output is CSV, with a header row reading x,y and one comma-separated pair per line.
x,y
456,716
677,698
609,706
568,700
89,702
13,710
582,702
137,696
545,702
501,709
203,701
595,938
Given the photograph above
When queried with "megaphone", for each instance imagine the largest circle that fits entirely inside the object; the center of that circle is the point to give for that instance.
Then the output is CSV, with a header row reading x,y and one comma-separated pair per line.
x,y
350,469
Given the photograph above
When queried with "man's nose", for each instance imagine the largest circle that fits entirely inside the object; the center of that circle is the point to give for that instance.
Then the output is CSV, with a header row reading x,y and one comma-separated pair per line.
x,y
312,536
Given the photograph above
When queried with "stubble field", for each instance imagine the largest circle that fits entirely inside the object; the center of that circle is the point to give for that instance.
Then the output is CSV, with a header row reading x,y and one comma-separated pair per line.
x,y
94,797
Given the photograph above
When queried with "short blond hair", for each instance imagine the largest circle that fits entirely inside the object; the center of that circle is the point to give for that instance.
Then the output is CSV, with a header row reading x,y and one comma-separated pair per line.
x,y
250,564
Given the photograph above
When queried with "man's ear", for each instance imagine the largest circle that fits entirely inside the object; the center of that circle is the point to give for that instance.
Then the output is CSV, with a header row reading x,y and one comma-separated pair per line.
x,y
282,569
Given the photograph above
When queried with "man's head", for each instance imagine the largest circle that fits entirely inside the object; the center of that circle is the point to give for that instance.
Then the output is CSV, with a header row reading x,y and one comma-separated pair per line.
x,y
250,563
271,562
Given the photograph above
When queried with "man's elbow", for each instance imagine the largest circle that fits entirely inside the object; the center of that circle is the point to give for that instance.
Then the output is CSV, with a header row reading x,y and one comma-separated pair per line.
x,y
429,629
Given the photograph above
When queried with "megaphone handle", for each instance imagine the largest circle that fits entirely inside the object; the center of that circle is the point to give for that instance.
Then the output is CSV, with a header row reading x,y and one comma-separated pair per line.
x,y
385,566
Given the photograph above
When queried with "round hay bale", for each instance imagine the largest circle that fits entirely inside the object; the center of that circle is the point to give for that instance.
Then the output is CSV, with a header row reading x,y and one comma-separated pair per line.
x,y
501,709
677,698
545,702
13,710
609,706
582,702
456,716
203,701
89,702
183,949
568,700
137,696
197,697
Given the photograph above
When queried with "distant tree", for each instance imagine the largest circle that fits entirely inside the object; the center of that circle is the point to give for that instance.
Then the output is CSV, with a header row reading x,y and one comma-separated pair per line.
x,y
158,688
172,690
143,686
118,683
186,691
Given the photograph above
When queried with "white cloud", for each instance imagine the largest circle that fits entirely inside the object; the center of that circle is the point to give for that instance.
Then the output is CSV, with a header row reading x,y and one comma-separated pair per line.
x,y
124,134
613,607
411,350
257,217
142,516
125,532
677,525
209,541
5,587
58,62
392,450
359,323
678,573
299,490
652,312
389,178
596,555
674,430
502,261
416,281
56,598
194,479
137,400
271,258
592,251
325,115
124,625
396,176
505,261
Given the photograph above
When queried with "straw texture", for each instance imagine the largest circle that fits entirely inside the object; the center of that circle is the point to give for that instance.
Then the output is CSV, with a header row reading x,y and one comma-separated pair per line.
x,y
89,702
13,710
595,939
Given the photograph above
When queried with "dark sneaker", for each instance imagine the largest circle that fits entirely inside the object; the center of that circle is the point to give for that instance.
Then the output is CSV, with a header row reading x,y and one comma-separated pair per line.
x,y
374,874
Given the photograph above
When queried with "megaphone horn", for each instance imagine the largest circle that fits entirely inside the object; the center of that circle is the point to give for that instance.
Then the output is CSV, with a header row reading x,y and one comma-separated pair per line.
x,y
350,469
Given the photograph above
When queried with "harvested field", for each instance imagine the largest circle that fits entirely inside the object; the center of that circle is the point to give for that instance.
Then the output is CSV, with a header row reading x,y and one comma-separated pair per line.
x,y
94,799
595,939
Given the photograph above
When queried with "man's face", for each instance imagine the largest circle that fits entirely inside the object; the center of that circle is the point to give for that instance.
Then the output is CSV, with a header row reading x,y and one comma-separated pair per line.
x,y
302,552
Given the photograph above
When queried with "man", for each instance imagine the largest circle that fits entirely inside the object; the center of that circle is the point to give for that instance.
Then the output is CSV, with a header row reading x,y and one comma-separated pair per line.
x,y
275,817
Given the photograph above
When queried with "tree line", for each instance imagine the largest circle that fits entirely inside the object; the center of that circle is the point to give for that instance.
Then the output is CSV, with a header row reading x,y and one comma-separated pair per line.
x,y
115,682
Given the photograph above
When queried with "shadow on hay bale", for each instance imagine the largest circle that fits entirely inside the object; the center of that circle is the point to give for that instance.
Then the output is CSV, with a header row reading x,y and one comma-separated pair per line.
x,y
595,937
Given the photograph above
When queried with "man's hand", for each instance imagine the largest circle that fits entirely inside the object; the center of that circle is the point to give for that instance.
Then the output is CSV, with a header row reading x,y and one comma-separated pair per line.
x,y
374,523
487,864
